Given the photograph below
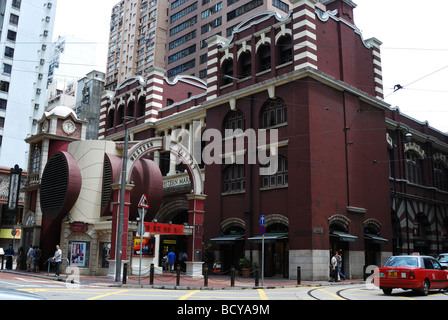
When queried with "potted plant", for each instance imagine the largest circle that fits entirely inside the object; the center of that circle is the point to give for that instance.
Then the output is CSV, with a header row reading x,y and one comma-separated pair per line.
x,y
245,266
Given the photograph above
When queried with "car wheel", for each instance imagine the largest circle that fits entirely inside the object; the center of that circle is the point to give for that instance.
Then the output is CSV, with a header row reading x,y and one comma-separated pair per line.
x,y
387,291
425,288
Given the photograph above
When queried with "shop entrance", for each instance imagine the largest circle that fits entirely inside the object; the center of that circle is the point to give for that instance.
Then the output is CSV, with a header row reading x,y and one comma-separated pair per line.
x,y
176,244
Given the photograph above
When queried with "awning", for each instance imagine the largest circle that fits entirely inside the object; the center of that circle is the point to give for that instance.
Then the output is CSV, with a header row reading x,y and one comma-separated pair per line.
x,y
375,238
227,239
268,238
345,237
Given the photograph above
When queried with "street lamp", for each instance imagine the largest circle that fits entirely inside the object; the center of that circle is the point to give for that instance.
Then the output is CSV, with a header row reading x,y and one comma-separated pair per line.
x,y
118,253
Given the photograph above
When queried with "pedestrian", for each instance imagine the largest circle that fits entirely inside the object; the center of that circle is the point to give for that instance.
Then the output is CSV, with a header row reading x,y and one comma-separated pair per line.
x,y
29,258
334,276
165,262
341,275
171,260
21,257
57,259
37,258
9,253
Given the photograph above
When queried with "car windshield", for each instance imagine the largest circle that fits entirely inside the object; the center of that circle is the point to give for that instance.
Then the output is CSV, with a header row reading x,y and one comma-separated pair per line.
x,y
402,262
443,259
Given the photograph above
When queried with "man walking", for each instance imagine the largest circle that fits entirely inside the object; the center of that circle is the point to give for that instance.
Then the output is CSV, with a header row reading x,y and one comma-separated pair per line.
x,y
57,259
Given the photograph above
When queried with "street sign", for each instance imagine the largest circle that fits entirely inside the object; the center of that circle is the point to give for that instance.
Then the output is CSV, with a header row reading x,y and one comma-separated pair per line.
x,y
262,220
143,203
262,230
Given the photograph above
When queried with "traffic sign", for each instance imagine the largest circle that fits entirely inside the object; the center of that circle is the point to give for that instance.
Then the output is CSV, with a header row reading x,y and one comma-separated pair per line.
x,y
143,203
262,230
262,220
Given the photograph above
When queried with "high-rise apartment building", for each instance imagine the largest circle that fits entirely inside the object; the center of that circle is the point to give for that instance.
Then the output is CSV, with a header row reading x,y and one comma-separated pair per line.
x,y
172,36
27,28
137,39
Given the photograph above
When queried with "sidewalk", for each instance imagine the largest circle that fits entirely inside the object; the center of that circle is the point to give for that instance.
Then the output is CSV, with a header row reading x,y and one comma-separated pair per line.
x,y
169,281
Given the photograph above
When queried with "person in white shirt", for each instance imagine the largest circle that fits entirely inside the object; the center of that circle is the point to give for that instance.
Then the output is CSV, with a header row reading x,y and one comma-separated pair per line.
x,y
57,259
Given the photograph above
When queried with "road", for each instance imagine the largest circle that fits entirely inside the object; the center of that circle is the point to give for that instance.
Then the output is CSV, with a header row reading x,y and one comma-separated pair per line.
x,y
56,290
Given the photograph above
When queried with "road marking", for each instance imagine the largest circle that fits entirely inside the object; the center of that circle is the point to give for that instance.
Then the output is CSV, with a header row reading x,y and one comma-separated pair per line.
x,y
108,294
331,294
262,294
188,295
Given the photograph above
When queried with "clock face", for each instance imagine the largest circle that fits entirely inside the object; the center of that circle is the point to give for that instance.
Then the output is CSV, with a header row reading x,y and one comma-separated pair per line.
x,y
68,126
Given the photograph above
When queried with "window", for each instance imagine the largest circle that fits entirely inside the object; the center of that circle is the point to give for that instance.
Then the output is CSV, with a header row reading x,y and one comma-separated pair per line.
x,y
3,104
183,12
264,57
245,64
235,120
273,113
9,52
284,45
440,176
227,71
12,35
413,168
4,86
280,178
234,178
7,68
243,9
14,19
36,161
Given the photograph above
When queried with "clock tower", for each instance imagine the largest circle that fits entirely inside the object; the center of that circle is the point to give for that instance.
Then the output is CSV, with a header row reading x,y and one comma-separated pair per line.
x,y
57,129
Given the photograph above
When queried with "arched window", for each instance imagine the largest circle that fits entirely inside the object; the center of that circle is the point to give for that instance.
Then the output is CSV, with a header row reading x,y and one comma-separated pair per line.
x,y
131,109
264,58
111,119
440,176
234,120
120,114
413,168
280,178
273,113
141,107
234,178
227,71
245,64
284,47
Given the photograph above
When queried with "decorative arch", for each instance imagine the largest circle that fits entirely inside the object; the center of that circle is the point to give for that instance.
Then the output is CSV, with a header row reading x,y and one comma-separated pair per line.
x,y
232,222
276,218
166,144
339,220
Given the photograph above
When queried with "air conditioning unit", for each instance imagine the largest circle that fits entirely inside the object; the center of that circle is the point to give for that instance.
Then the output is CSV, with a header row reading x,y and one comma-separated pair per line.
x,y
49,5
42,61
45,33
38,91
41,76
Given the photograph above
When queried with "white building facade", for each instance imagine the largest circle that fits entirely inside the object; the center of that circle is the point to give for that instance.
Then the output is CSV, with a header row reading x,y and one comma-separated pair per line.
x,y
27,29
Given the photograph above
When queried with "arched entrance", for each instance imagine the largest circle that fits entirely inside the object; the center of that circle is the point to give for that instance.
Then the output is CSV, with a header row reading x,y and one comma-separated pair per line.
x,y
195,198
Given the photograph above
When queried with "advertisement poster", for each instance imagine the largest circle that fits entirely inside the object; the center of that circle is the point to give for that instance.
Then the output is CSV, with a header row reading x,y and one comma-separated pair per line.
x,y
78,254
148,247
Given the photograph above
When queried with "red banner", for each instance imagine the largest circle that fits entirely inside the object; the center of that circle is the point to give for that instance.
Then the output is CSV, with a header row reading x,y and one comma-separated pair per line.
x,y
161,228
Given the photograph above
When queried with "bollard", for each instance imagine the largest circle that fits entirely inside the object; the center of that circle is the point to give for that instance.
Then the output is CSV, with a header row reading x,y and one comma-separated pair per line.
x,y
151,274
125,273
206,276
232,277
178,275
299,275
257,277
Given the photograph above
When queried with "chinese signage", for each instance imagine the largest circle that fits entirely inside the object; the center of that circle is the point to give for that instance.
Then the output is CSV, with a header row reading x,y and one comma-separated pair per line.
x,y
161,228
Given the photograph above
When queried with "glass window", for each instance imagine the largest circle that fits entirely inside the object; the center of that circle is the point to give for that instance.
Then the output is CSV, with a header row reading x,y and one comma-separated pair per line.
x,y
273,113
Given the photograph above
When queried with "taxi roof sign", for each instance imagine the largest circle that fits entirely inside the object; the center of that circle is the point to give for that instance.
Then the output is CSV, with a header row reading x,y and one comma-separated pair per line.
x,y
143,203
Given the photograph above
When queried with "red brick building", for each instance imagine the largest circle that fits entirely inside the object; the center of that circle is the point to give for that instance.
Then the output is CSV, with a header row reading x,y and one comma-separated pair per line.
x,y
347,178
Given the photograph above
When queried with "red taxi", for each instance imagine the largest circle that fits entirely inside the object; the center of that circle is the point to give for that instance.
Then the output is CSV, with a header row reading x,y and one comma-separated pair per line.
x,y
419,273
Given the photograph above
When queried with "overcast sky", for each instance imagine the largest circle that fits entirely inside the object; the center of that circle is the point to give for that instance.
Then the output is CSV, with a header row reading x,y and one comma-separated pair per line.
x,y
414,50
